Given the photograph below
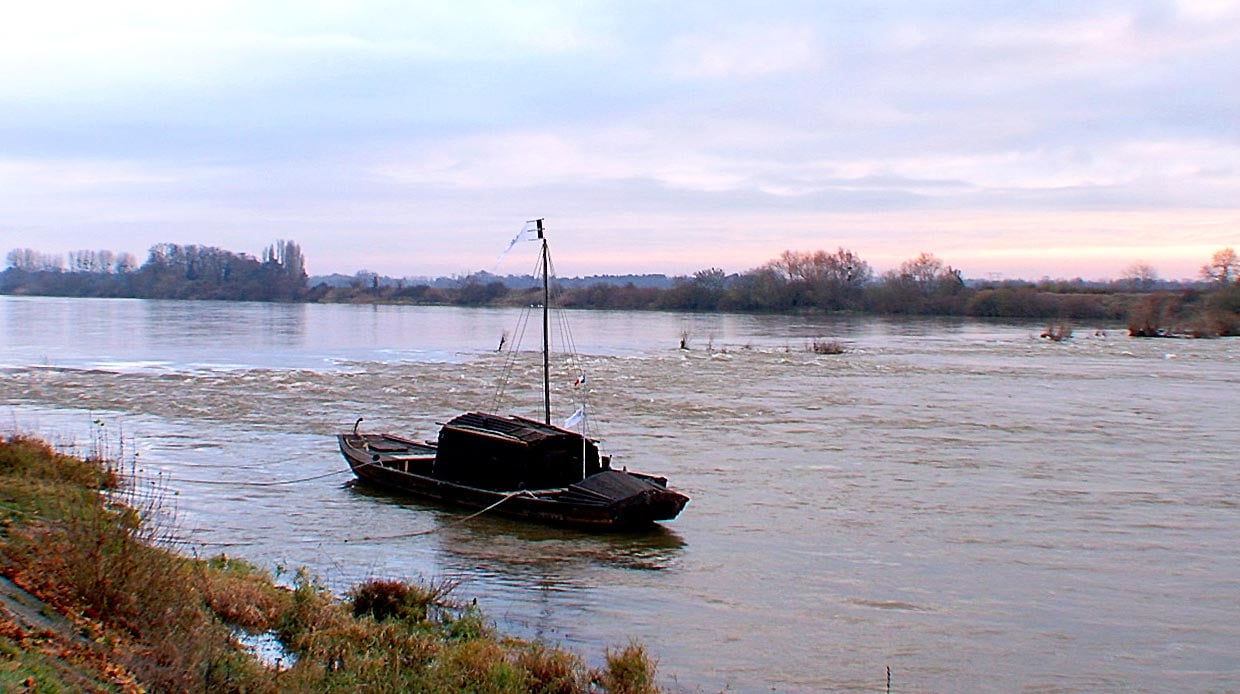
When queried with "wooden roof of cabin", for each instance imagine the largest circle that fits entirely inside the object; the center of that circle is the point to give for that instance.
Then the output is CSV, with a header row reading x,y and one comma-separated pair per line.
x,y
526,430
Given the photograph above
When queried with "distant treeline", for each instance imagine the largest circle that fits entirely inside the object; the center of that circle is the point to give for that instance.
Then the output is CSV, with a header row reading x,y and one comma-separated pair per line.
x,y
796,281
843,282
171,271
366,278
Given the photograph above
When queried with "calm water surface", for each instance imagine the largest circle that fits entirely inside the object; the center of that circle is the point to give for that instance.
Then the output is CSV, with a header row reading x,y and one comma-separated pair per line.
x,y
976,508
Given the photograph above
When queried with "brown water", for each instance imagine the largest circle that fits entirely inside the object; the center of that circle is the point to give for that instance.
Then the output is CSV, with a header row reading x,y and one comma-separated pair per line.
x,y
974,507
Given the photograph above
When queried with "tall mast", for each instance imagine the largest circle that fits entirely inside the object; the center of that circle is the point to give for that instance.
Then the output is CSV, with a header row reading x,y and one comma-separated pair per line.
x,y
546,272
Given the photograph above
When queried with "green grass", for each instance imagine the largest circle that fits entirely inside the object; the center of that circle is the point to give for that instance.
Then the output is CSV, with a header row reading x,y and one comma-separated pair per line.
x,y
77,534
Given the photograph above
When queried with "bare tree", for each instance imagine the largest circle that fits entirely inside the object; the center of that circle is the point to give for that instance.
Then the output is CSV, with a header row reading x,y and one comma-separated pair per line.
x,y
126,262
828,280
287,256
924,271
1222,267
30,260
91,262
1140,275
843,267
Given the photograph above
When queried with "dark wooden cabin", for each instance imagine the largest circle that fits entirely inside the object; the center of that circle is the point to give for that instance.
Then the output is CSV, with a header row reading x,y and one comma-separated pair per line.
x,y
506,453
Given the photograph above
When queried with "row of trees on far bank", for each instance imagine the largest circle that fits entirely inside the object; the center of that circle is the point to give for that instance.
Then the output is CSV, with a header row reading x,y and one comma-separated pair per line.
x,y
171,271
796,281
799,281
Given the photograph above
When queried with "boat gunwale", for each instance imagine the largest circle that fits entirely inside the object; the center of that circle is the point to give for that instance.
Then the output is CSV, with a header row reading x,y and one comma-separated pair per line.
x,y
541,505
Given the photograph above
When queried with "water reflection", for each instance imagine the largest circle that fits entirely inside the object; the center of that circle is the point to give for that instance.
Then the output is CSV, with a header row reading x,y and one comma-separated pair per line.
x,y
222,324
515,551
516,546
43,330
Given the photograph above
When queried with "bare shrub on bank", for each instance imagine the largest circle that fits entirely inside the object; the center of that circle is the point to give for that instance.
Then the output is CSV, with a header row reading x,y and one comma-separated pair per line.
x,y
822,345
1057,332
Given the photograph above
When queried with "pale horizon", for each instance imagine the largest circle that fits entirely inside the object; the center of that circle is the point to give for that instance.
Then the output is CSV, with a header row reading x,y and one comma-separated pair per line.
x,y
1022,142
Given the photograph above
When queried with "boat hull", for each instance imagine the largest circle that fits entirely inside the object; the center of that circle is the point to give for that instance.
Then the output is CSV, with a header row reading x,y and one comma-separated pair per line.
x,y
610,500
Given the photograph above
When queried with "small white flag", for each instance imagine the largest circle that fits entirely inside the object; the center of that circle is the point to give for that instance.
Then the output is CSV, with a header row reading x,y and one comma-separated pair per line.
x,y
575,418
529,232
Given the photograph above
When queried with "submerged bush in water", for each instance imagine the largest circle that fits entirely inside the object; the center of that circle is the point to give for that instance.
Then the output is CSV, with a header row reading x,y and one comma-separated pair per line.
x,y
824,346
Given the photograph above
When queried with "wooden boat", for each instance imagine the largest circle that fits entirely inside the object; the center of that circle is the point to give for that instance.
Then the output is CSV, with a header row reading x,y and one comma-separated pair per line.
x,y
515,466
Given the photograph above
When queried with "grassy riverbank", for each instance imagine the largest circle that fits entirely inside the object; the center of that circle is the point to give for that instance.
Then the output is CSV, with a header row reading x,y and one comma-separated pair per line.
x,y
92,599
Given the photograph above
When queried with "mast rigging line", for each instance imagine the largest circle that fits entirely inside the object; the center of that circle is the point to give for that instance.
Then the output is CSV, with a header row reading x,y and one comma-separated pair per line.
x,y
544,267
510,359
514,347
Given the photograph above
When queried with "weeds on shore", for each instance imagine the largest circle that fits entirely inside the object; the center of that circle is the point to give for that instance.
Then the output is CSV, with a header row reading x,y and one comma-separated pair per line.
x,y
78,535
629,670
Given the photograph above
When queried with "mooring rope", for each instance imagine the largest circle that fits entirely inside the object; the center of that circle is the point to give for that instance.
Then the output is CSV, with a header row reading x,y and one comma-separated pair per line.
x,y
221,483
457,521
365,538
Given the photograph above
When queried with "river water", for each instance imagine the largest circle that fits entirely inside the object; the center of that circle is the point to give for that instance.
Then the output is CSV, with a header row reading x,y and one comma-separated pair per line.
x,y
974,507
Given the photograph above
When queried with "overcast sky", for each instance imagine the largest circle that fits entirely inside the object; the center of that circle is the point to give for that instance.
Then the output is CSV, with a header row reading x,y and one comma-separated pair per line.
x,y
1027,138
